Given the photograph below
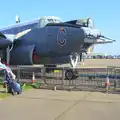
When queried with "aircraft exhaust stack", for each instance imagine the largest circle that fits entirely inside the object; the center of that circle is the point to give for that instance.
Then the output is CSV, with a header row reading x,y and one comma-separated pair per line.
x,y
17,19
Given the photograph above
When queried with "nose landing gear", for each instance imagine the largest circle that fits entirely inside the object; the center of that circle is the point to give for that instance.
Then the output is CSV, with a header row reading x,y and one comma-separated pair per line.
x,y
72,73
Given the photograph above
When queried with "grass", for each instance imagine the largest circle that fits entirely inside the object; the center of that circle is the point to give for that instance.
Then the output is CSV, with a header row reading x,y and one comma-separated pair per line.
x,y
24,88
30,86
4,95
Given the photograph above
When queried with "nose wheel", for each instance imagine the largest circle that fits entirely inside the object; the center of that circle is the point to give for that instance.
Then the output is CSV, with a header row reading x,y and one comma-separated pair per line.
x,y
71,74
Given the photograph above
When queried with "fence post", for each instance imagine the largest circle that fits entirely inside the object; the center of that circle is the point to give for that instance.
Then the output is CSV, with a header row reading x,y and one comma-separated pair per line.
x,y
43,70
115,80
70,87
18,73
63,78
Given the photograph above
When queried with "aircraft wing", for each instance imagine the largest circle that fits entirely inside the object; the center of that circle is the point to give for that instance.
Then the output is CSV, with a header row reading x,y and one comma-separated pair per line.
x,y
8,39
20,34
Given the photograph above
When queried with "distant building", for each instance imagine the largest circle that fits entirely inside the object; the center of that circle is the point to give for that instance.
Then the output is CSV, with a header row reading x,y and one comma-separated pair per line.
x,y
97,55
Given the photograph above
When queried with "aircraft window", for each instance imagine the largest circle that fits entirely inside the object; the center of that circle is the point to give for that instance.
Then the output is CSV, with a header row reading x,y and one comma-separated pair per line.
x,y
82,22
42,23
57,21
90,23
50,20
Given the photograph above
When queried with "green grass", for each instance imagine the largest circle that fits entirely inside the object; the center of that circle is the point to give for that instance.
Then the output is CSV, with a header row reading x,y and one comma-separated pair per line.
x,y
26,87
1,85
4,95
30,86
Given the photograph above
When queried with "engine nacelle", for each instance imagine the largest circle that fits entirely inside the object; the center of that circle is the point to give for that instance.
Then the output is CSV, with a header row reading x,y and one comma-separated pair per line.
x,y
22,55
5,41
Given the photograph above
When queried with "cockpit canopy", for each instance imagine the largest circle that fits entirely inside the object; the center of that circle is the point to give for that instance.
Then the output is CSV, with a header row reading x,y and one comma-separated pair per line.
x,y
85,22
88,22
48,19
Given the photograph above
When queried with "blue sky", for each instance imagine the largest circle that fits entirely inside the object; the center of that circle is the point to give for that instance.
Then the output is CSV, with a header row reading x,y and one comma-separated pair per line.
x,y
106,15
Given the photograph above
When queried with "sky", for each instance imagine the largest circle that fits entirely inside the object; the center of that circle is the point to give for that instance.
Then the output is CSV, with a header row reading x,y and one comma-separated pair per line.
x,y
105,13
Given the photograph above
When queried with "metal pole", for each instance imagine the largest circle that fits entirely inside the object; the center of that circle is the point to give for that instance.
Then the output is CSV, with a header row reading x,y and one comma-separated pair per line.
x,y
7,55
18,73
63,78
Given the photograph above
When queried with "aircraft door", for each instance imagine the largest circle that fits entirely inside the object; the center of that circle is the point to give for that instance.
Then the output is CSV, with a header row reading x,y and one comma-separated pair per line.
x,y
51,37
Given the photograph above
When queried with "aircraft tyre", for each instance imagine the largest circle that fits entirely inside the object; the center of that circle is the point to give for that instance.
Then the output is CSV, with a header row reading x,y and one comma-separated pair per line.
x,y
71,74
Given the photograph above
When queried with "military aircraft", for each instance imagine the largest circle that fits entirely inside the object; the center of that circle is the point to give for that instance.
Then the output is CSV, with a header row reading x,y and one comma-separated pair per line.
x,y
48,40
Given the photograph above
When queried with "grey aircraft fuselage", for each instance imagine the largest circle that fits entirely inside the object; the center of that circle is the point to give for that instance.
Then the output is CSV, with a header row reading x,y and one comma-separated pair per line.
x,y
33,44
46,39
49,41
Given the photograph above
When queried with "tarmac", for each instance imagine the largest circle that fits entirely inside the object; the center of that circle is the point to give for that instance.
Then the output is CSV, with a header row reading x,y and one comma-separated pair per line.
x,y
40,104
96,63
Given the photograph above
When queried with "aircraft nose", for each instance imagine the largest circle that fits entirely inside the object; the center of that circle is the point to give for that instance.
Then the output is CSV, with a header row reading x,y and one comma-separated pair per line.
x,y
91,35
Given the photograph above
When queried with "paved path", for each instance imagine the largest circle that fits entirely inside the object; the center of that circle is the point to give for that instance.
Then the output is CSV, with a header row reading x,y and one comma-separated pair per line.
x,y
60,105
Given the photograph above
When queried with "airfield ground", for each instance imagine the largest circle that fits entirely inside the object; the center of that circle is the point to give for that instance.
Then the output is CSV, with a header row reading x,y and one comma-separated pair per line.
x,y
61,105
99,63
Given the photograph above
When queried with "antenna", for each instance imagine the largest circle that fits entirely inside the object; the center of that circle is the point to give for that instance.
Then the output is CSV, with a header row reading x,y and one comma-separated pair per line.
x,y
17,19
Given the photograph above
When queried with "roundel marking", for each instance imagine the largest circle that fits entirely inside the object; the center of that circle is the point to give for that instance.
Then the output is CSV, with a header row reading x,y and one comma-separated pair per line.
x,y
61,33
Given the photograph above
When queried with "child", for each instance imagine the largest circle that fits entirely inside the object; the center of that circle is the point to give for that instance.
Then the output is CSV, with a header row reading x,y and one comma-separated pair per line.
x,y
8,70
12,86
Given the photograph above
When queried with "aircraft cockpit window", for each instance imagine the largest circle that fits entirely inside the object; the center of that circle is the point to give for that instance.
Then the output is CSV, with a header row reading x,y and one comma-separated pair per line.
x,y
42,23
90,23
82,22
50,20
53,20
57,21
45,20
85,22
